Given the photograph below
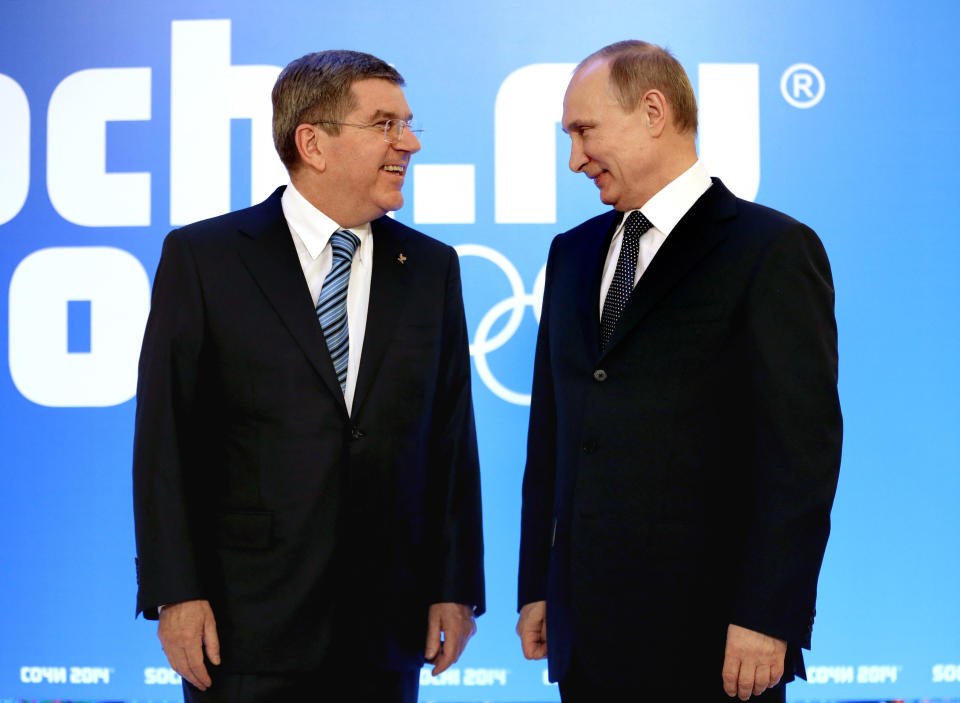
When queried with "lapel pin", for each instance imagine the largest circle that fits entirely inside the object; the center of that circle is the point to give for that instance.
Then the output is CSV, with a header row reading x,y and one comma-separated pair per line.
x,y
402,259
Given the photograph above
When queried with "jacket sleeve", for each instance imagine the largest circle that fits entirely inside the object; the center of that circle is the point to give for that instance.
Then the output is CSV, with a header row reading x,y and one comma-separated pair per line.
x,y
167,568
540,473
797,431
454,456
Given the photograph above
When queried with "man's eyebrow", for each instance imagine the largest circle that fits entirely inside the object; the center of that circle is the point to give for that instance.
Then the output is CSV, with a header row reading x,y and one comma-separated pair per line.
x,y
571,126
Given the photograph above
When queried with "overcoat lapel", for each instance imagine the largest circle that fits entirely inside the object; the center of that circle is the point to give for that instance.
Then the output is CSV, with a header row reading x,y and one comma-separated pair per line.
x,y
388,281
695,235
268,252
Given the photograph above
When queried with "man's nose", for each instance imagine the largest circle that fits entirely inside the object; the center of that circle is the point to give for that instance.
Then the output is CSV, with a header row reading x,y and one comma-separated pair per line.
x,y
408,142
578,159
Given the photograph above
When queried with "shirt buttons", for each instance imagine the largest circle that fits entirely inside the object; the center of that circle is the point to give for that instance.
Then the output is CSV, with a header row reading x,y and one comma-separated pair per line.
x,y
600,375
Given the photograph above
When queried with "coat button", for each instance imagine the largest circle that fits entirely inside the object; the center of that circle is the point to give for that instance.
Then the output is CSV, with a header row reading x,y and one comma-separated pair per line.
x,y
357,433
590,446
600,375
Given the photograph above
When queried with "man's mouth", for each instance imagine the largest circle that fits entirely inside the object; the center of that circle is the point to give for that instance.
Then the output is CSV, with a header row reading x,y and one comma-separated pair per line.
x,y
399,169
596,178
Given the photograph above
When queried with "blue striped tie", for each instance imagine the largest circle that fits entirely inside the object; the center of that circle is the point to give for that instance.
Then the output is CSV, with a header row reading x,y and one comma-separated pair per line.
x,y
332,305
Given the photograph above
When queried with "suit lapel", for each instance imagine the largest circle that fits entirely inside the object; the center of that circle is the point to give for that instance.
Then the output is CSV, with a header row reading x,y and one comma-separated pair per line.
x,y
268,252
593,257
694,236
388,282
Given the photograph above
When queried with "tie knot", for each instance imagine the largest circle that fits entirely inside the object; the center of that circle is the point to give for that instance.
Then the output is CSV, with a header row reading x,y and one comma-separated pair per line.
x,y
636,224
344,243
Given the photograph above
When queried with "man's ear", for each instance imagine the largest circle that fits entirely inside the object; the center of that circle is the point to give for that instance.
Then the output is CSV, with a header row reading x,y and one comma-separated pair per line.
x,y
312,146
653,109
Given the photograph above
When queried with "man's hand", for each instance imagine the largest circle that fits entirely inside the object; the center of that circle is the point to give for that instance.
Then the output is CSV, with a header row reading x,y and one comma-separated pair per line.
x,y
752,663
457,624
185,628
532,628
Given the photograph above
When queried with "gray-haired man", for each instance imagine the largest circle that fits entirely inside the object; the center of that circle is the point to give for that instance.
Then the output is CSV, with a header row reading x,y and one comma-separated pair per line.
x,y
305,466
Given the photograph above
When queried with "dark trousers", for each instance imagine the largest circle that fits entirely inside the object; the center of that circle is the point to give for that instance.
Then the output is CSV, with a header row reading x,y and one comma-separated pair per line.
x,y
583,685
336,685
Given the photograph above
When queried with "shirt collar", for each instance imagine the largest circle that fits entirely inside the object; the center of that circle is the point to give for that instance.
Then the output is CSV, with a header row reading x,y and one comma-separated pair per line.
x,y
312,226
667,207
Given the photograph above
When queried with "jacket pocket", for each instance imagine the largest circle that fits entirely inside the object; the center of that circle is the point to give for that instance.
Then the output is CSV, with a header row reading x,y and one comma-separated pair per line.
x,y
246,530
683,314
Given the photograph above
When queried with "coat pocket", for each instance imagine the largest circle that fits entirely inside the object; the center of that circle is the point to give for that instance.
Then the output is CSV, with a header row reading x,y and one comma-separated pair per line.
x,y
684,314
244,530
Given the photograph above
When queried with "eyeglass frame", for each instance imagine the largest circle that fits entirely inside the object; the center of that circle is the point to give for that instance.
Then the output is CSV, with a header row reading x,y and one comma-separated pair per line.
x,y
411,126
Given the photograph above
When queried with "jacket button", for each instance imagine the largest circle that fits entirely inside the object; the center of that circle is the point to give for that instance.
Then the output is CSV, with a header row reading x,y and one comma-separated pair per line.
x,y
357,433
590,446
600,375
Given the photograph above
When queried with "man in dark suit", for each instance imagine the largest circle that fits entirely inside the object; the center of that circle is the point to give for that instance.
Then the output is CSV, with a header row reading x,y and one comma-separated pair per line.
x,y
306,484
685,427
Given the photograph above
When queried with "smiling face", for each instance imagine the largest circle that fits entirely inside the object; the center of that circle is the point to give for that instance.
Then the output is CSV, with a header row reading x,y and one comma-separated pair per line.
x,y
618,150
362,174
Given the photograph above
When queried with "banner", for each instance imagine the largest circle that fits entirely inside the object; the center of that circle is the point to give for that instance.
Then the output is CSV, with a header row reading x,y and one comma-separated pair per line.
x,y
122,120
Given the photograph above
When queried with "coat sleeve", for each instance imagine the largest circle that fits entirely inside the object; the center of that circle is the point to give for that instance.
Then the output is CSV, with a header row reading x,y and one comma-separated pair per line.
x,y
454,456
540,473
167,568
797,430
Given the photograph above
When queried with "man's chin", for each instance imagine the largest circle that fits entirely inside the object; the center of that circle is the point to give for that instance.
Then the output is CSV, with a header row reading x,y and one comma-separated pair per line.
x,y
607,199
393,204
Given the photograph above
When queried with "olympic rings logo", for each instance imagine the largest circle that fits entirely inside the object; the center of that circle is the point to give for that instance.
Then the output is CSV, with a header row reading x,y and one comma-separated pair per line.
x,y
483,343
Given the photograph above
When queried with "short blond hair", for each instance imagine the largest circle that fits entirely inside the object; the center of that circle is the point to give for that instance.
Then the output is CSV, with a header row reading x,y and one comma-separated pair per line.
x,y
638,66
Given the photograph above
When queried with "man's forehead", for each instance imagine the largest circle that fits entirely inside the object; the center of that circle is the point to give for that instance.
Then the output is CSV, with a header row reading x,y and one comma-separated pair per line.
x,y
591,81
597,70
588,91
376,97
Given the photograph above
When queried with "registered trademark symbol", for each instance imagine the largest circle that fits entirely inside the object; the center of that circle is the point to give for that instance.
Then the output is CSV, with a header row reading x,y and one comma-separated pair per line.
x,y
802,85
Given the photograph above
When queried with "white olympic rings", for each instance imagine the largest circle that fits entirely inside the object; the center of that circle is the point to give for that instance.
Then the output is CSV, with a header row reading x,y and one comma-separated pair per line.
x,y
483,344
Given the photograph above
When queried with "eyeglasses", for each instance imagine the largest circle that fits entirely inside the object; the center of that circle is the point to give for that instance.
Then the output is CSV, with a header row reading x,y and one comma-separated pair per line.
x,y
392,129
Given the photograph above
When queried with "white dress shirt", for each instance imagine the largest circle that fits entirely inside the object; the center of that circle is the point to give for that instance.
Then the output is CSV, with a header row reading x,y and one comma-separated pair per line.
x,y
311,231
664,210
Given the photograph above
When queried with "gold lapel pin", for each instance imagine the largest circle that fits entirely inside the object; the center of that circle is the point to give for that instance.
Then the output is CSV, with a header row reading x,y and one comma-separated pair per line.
x,y
402,259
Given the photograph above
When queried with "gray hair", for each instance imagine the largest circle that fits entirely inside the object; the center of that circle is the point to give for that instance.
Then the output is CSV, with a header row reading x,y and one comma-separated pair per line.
x,y
316,88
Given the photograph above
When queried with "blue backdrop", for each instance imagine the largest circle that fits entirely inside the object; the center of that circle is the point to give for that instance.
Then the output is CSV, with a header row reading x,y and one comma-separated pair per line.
x,y
120,120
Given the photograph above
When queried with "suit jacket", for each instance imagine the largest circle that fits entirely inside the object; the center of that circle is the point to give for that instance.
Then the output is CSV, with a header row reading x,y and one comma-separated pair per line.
x,y
305,527
682,479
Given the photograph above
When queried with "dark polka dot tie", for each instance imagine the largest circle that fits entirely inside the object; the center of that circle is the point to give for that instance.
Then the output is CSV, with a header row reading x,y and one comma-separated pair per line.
x,y
622,285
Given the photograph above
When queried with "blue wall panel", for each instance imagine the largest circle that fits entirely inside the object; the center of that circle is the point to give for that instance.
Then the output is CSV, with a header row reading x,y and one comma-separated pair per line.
x,y
871,166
